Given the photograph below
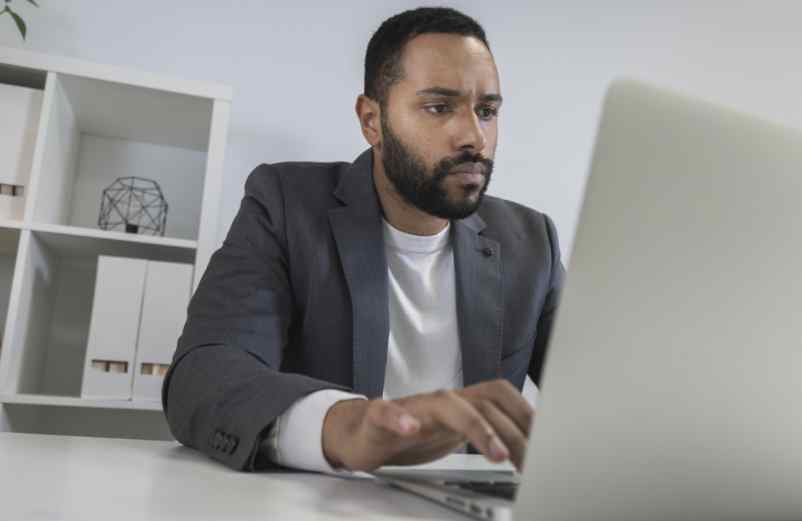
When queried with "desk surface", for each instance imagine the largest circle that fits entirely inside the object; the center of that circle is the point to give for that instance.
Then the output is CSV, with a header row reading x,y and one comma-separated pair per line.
x,y
55,478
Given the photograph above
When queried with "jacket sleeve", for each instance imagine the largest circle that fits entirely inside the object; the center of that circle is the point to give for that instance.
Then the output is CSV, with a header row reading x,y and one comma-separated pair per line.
x,y
224,389
549,310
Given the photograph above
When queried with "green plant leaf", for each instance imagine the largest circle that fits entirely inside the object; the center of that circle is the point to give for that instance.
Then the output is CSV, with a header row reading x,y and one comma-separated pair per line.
x,y
33,2
20,23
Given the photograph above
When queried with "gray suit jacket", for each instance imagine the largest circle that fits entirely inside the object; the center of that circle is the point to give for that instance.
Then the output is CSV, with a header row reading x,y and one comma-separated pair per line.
x,y
296,301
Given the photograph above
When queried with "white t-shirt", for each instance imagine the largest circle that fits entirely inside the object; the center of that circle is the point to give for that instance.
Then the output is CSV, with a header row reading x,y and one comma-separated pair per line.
x,y
423,352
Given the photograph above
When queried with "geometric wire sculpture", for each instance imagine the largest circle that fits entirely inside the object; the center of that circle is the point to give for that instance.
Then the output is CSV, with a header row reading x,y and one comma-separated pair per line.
x,y
133,204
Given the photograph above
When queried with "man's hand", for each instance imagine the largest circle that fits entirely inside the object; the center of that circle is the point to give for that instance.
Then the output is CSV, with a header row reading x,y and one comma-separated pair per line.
x,y
364,435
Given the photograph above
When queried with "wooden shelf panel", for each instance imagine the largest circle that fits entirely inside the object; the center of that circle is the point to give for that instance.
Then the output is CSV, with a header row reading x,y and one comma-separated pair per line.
x,y
92,233
33,64
78,242
74,401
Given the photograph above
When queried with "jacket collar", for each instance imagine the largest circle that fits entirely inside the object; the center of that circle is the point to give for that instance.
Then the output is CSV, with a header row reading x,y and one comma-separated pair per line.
x,y
356,187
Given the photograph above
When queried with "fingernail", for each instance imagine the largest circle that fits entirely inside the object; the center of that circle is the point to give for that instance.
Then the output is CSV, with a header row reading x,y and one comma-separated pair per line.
x,y
498,450
408,423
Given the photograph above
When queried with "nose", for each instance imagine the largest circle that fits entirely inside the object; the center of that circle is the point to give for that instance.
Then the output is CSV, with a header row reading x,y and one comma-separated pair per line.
x,y
469,133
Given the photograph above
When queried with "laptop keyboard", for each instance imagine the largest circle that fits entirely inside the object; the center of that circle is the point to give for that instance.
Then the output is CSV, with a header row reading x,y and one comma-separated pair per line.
x,y
502,489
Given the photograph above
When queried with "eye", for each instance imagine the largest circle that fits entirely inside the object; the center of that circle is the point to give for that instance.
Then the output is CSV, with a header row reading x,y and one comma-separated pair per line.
x,y
439,108
487,112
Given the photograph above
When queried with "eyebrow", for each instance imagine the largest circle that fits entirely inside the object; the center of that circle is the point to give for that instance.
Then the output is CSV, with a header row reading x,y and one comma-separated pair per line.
x,y
453,93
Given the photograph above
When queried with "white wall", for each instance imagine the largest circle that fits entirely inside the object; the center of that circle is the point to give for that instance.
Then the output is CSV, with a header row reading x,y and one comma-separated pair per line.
x,y
296,68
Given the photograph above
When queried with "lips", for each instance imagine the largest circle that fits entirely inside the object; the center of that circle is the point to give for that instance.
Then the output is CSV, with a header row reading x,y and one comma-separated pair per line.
x,y
469,168
469,173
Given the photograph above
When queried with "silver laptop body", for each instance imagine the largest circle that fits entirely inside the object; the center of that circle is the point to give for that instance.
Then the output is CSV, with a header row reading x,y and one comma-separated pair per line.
x,y
673,384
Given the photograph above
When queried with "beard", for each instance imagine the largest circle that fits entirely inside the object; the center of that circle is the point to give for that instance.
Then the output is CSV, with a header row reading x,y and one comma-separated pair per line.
x,y
426,190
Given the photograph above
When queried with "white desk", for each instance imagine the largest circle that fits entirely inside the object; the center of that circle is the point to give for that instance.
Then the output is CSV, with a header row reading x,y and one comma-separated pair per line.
x,y
55,478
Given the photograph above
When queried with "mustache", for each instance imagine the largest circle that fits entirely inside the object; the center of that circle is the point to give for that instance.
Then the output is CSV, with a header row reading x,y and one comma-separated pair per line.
x,y
448,164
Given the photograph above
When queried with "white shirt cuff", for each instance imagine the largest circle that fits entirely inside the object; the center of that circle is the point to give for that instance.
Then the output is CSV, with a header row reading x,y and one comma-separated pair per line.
x,y
299,431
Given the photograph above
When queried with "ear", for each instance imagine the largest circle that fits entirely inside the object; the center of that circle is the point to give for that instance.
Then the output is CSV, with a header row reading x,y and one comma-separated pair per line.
x,y
369,114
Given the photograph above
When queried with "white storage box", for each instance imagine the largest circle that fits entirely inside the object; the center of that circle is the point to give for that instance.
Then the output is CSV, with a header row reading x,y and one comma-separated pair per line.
x,y
168,286
20,108
113,330
138,312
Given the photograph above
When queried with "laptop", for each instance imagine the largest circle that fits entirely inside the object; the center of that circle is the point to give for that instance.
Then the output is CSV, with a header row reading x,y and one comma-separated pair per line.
x,y
672,389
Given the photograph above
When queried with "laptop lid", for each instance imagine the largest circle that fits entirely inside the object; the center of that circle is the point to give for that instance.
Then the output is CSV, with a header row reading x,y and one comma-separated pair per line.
x,y
673,384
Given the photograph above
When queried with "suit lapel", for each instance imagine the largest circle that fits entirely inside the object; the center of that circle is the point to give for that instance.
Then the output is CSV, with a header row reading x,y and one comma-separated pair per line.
x,y
357,229
477,265
358,233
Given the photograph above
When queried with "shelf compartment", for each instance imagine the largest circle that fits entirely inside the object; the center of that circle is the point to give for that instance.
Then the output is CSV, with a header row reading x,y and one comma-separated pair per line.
x,y
68,420
9,242
47,348
98,131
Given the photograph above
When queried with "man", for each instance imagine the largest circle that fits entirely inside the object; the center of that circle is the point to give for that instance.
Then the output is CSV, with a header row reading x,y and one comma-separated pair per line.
x,y
384,311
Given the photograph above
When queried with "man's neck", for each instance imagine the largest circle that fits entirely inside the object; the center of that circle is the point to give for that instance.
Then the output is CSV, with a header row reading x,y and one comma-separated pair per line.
x,y
400,214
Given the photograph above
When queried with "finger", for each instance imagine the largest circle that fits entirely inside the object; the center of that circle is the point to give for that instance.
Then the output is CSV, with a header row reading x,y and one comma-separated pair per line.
x,y
389,415
508,399
506,429
460,416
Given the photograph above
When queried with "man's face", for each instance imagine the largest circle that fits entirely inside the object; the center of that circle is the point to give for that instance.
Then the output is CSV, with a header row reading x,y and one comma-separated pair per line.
x,y
439,125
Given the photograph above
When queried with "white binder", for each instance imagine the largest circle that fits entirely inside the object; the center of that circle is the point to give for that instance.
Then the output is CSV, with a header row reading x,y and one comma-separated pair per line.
x,y
113,330
164,309
20,108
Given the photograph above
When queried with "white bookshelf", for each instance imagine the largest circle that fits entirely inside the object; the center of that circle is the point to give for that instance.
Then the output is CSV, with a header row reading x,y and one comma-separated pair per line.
x,y
96,123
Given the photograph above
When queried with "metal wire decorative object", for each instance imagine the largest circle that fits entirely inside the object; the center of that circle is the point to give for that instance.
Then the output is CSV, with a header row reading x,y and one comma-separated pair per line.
x,y
135,205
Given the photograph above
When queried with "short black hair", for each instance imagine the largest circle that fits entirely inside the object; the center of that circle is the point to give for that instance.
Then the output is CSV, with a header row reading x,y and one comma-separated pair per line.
x,y
383,57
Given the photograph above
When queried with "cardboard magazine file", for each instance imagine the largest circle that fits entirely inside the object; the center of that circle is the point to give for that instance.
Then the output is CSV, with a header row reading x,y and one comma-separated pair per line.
x,y
113,330
168,287
20,108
